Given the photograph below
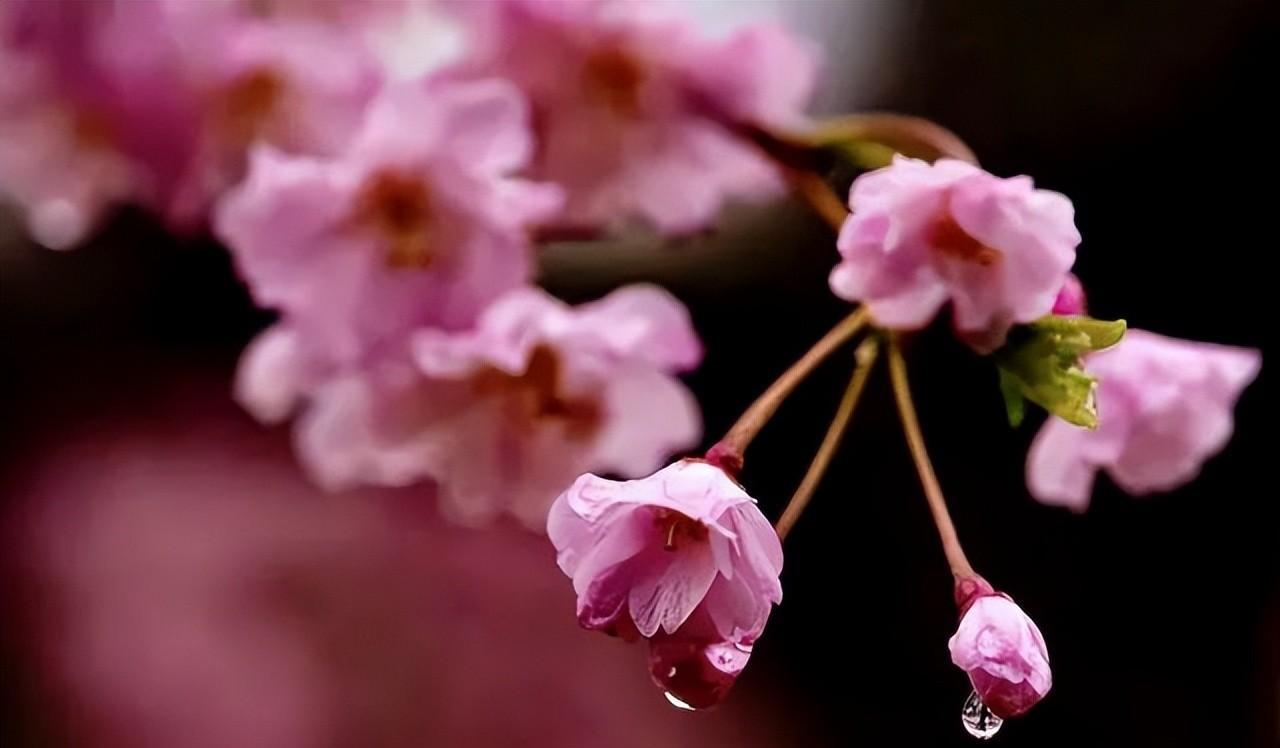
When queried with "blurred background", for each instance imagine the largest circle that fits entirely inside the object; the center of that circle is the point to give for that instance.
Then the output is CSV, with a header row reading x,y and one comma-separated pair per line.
x,y
170,578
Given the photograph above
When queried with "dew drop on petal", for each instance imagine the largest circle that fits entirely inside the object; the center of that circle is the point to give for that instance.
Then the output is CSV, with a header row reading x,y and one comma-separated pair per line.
x,y
977,718
677,703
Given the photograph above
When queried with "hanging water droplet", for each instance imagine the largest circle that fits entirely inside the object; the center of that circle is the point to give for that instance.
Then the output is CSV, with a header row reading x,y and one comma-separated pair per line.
x,y
677,703
978,719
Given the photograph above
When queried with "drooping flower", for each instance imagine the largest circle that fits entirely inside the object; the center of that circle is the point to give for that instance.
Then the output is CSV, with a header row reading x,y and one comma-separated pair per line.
x,y
638,117
1003,652
503,416
1164,405
922,235
418,223
683,558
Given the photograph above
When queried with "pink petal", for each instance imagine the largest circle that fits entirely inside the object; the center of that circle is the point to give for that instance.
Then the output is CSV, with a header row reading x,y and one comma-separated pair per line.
x,y
669,585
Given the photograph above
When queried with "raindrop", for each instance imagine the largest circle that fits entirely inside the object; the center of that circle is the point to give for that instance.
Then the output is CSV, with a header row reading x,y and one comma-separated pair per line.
x,y
977,718
677,703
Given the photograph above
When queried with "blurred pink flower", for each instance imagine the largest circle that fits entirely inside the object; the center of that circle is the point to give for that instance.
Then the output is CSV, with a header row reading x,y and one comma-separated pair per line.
x,y
683,558
176,584
54,163
157,102
1001,649
417,223
637,115
504,416
299,86
921,235
1164,407
93,111
1071,297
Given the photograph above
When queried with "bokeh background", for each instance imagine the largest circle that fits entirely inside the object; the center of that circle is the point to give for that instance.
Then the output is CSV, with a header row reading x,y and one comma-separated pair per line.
x,y
170,578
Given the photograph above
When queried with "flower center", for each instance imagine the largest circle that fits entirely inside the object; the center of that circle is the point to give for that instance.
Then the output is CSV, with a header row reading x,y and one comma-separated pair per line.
x,y
246,105
397,207
677,528
948,239
534,398
613,77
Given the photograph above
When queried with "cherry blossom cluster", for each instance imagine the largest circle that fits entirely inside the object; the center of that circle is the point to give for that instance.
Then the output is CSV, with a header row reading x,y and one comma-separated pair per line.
x,y
382,174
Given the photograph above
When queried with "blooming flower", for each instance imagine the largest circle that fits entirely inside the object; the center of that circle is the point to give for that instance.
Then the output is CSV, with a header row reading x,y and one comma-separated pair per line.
x,y
504,415
922,235
1001,649
683,558
417,223
636,113
1164,408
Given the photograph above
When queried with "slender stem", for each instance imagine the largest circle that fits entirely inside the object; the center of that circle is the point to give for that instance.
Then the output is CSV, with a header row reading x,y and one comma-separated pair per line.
x,y
823,200
912,136
865,356
960,567
728,452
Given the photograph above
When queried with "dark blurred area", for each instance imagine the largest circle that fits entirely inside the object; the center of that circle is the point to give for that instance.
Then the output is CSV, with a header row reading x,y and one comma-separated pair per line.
x,y
1162,614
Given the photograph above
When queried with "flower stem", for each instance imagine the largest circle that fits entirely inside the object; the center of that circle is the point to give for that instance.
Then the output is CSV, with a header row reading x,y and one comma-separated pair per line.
x,y
728,452
823,200
911,136
960,567
865,356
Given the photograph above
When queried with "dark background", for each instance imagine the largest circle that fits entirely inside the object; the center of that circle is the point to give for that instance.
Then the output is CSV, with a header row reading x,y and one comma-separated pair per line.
x,y
1162,614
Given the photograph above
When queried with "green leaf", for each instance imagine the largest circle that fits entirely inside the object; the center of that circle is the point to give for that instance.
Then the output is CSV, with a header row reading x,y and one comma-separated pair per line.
x,y
1042,363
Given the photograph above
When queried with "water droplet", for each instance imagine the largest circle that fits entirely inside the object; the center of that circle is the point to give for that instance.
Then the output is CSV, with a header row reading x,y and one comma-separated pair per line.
x,y
978,719
677,703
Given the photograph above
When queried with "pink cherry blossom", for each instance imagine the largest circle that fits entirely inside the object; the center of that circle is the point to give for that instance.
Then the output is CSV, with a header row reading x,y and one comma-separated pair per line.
x,y
683,558
54,164
417,223
1164,407
637,115
503,416
258,81
1001,649
157,101
923,235
92,111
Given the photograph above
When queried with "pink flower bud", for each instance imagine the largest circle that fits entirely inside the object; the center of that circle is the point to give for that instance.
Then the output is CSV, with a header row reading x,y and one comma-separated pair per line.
x,y
1001,649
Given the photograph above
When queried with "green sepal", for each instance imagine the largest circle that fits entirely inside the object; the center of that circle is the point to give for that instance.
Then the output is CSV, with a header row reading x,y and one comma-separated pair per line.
x,y
1041,362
